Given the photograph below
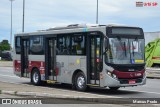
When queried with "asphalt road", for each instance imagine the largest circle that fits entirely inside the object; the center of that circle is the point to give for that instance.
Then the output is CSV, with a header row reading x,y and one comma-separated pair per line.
x,y
150,90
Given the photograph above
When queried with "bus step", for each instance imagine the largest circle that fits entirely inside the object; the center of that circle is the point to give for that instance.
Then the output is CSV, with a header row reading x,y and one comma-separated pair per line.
x,y
93,85
51,82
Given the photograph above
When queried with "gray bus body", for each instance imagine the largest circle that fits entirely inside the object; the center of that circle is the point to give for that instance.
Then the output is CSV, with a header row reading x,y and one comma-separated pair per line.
x,y
79,55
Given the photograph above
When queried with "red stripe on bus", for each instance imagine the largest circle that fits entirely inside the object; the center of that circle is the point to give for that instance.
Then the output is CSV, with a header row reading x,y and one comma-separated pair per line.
x,y
135,74
31,65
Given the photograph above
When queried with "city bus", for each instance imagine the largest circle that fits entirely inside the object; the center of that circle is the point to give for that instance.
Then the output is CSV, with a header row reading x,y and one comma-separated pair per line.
x,y
106,56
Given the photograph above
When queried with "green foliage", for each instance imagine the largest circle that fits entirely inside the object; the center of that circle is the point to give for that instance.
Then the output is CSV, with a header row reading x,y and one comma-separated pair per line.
x,y
4,45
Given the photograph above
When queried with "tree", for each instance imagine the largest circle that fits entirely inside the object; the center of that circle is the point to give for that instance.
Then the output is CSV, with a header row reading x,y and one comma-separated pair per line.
x,y
4,45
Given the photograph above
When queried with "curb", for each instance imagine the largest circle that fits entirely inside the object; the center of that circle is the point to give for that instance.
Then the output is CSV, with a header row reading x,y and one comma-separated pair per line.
x,y
58,96
41,94
153,73
37,94
8,92
153,77
154,69
6,63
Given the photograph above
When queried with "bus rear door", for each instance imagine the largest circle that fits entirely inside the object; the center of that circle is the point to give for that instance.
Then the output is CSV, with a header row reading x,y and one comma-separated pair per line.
x,y
24,57
50,56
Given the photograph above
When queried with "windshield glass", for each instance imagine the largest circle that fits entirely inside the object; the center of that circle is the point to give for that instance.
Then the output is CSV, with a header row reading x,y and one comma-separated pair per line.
x,y
125,51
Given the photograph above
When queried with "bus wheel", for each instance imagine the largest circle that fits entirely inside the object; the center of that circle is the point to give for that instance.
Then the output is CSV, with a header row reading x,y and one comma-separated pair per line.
x,y
80,82
36,79
114,88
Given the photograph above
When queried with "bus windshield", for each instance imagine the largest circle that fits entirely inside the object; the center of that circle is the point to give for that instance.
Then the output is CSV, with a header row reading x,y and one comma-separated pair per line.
x,y
125,51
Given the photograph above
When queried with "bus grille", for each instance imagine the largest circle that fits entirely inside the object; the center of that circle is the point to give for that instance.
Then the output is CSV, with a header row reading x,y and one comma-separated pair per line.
x,y
126,81
126,69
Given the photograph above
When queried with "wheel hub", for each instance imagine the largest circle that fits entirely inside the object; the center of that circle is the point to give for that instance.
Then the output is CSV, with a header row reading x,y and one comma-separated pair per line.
x,y
80,82
35,77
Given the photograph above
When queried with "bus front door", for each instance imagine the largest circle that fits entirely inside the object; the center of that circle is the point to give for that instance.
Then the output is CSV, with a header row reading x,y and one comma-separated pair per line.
x,y
51,59
94,58
24,57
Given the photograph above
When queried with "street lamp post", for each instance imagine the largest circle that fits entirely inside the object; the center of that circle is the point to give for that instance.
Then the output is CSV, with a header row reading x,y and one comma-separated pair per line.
x,y
23,15
97,14
11,27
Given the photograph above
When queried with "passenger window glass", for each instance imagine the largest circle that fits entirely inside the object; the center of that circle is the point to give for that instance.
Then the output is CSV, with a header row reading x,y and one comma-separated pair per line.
x,y
78,45
36,45
71,44
63,45
18,45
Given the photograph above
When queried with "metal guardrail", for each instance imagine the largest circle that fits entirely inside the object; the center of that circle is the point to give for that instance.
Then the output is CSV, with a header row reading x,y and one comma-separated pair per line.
x,y
153,73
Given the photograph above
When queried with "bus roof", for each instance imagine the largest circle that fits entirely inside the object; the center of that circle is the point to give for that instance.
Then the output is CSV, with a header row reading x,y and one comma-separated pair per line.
x,y
73,27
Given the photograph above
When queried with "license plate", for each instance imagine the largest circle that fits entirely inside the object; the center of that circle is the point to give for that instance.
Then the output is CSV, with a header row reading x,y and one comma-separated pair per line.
x,y
132,81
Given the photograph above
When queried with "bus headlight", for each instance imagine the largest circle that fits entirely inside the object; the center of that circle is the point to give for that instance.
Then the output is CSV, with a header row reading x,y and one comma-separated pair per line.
x,y
111,74
114,76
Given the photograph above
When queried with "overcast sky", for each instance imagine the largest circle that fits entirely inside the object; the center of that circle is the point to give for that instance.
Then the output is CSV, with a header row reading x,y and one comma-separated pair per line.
x,y
44,14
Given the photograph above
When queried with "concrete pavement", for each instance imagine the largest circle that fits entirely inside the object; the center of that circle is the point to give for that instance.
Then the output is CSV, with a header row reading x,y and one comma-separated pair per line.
x,y
24,89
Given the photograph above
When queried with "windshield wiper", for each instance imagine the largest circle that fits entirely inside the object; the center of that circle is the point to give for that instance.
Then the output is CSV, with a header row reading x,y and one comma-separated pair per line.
x,y
125,48
132,49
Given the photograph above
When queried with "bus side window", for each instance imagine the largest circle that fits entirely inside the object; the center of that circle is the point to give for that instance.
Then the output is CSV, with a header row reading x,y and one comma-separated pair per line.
x,y
59,45
36,45
70,44
78,45
63,43
18,45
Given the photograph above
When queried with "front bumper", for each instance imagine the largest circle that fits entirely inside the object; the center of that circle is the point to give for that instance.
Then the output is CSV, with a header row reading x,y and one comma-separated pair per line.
x,y
108,81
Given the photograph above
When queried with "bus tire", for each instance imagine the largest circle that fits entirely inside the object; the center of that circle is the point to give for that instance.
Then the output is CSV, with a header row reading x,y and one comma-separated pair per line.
x,y
80,82
36,78
114,88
